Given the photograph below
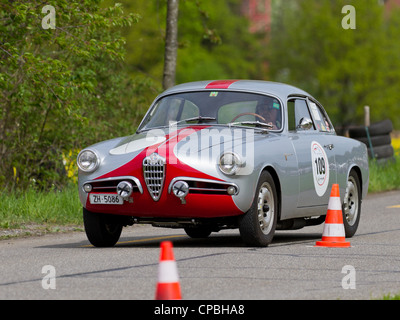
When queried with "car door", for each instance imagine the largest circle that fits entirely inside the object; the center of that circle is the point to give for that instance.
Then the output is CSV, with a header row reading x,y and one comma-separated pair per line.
x,y
316,165
327,137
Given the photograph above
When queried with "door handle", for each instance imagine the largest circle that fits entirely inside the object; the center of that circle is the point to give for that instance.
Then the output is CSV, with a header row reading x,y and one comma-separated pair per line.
x,y
329,146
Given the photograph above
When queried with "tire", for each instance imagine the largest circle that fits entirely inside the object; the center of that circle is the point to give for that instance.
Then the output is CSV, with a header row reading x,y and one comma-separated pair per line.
x,y
102,230
377,141
198,232
382,152
257,226
375,129
351,206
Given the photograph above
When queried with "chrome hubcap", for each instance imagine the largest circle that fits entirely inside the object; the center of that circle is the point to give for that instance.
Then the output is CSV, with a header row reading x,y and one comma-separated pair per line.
x,y
265,208
350,204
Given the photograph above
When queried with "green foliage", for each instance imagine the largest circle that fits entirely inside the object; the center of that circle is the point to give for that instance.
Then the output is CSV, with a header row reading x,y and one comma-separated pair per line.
x,y
218,44
344,69
213,36
57,85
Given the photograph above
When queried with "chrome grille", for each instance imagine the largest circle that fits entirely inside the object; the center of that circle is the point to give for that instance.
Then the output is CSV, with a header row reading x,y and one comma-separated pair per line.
x,y
154,174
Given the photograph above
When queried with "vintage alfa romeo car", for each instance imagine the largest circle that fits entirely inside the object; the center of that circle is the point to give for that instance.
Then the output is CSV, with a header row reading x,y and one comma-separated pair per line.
x,y
210,155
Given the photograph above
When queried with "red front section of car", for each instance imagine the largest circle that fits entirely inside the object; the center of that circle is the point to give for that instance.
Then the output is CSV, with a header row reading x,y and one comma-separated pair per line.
x,y
142,205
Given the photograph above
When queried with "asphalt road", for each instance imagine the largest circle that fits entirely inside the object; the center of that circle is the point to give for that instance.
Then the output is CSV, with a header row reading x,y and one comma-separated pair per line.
x,y
219,267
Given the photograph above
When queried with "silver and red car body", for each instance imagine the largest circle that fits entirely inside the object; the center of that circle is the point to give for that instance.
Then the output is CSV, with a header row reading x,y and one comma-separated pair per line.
x,y
152,161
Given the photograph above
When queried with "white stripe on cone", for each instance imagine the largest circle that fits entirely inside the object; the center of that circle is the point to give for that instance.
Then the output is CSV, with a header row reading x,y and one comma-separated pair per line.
x,y
333,230
334,203
167,272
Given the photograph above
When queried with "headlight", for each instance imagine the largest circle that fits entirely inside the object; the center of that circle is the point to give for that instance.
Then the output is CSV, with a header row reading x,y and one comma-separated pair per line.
x,y
88,161
230,163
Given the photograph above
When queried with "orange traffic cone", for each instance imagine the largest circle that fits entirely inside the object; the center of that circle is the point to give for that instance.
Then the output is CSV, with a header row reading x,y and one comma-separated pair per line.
x,y
334,235
168,287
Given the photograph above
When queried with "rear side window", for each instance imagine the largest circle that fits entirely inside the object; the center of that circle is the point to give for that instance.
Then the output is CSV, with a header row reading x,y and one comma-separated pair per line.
x,y
321,120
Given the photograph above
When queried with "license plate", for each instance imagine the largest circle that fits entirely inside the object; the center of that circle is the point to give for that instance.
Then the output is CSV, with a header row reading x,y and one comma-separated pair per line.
x,y
105,199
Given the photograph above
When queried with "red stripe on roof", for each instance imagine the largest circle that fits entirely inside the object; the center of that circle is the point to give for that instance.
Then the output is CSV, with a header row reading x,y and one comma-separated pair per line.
x,y
220,84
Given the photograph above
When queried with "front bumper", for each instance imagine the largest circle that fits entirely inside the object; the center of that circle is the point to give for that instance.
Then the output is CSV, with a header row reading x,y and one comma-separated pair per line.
x,y
206,198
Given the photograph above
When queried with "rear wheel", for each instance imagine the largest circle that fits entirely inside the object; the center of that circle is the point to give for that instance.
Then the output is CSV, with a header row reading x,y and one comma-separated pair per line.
x,y
352,204
101,229
257,226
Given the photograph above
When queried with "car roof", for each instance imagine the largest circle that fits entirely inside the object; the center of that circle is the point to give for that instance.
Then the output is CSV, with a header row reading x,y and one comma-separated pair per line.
x,y
257,86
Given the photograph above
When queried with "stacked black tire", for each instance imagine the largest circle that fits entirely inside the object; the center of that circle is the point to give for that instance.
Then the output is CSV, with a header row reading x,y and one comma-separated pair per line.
x,y
379,143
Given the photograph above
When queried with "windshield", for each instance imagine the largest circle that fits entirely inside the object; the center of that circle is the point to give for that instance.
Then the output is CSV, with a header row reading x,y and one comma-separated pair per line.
x,y
215,107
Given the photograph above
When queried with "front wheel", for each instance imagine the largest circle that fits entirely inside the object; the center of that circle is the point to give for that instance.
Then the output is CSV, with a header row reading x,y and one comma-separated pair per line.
x,y
257,226
352,205
101,229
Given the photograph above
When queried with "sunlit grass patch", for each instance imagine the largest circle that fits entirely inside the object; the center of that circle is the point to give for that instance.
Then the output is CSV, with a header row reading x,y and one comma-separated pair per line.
x,y
53,207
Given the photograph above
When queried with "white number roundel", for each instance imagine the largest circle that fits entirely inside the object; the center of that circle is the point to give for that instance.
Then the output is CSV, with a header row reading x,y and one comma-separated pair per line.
x,y
320,168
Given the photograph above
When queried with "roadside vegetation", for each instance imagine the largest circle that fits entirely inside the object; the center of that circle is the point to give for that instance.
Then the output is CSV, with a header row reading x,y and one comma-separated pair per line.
x,y
35,211
391,297
384,176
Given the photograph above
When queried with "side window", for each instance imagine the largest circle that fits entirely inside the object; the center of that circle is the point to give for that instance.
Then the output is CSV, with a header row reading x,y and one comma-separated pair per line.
x,y
320,118
297,110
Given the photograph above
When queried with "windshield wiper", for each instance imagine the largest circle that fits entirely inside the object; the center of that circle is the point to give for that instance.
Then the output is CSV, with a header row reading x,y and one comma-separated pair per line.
x,y
256,123
200,119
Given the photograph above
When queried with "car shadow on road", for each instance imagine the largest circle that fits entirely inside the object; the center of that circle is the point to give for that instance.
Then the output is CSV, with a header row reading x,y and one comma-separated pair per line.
x,y
227,240
215,240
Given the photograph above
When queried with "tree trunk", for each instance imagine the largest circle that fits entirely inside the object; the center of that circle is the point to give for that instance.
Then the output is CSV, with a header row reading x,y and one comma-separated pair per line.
x,y
171,44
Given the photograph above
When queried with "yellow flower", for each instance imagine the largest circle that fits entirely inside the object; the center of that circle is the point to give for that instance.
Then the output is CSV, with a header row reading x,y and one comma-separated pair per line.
x,y
70,165
396,144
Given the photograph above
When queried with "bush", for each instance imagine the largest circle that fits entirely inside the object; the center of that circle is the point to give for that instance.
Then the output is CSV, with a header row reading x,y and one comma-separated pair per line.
x,y
57,85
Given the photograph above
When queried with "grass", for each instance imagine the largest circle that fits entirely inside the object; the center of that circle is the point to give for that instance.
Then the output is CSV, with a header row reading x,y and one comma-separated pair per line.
x,y
47,211
391,297
384,176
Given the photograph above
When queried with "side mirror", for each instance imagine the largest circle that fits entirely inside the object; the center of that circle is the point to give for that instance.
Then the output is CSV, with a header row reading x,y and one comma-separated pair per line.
x,y
305,124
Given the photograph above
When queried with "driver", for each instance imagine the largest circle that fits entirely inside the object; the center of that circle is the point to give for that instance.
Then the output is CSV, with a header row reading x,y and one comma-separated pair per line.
x,y
270,111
